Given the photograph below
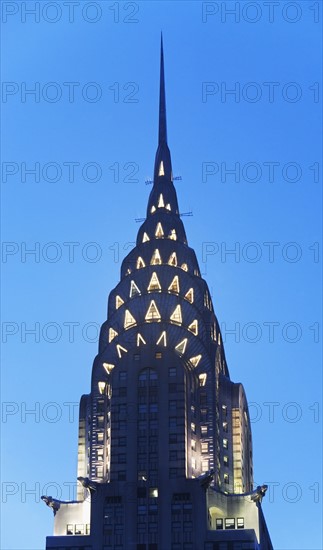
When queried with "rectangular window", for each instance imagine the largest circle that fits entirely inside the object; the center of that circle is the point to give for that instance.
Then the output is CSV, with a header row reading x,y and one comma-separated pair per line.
x,y
205,447
193,427
205,465
99,437
219,523
70,529
204,430
240,523
225,426
229,523
158,355
123,375
172,371
226,478
225,443
79,529
226,460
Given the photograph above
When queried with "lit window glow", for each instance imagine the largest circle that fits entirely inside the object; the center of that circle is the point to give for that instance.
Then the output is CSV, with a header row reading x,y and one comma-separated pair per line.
x,y
195,360
181,347
184,267
102,387
152,312
145,238
189,296
153,209
172,235
161,171
140,263
193,327
119,302
219,339
168,206
202,378
154,283
159,233
140,339
134,290
129,320
161,203
173,259
174,286
162,340
108,367
176,316
156,259
112,334
121,349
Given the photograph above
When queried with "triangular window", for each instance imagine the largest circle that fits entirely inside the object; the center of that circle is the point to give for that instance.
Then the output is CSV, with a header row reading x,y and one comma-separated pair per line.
x,y
173,259
184,267
102,386
145,238
152,312
156,259
193,327
168,206
154,283
219,339
176,316
159,233
153,209
161,203
121,349
195,360
172,235
202,378
119,302
108,367
181,347
162,340
189,296
112,334
174,286
134,290
140,340
140,263
129,320
161,169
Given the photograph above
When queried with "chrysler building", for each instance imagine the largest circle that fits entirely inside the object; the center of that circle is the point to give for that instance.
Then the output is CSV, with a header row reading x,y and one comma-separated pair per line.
x,y
164,448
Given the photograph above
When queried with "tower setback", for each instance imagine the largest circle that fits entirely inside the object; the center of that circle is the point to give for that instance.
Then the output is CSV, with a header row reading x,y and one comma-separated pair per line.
x,y
164,448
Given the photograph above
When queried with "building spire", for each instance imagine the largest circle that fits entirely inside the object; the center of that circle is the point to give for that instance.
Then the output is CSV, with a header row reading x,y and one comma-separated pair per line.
x,y
162,136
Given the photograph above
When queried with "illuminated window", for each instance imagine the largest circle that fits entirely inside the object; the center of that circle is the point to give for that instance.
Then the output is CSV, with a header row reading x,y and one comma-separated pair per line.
x,y
184,267
134,290
195,360
225,426
219,339
240,523
153,209
156,259
129,320
161,171
196,272
226,460
128,271
121,349
152,312
108,367
102,386
140,263
229,522
100,437
205,447
193,463
168,206
79,529
174,286
224,410
181,347
193,427
172,235
112,334
70,529
219,523
173,259
202,378
189,296
162,340
176,316
153,492
226,478
225,443
193,327
161,203
119,302
140,340
159,233
193,445
145,238
204,430
205,465
154,283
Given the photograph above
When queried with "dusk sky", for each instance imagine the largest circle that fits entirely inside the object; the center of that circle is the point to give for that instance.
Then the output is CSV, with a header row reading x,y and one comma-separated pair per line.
x,y
80,112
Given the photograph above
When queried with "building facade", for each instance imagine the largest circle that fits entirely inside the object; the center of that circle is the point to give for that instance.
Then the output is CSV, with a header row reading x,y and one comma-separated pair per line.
x,y
165,448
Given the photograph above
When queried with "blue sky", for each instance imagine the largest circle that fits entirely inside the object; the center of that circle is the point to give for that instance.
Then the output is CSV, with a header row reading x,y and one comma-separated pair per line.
x,y
81,223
